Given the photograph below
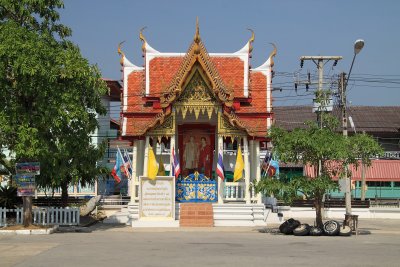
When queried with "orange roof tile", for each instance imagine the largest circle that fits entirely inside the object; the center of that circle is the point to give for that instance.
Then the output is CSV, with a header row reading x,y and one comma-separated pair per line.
x,y
136,126
161,72
256,126
231,70
258,91
163,69
136,93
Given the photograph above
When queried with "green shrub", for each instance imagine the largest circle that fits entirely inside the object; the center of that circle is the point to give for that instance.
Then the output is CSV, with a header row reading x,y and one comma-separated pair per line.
x,y
8,197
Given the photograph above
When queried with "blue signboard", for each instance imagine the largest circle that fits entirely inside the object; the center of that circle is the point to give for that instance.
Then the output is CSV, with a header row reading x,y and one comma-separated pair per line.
x,y
28,168
25,184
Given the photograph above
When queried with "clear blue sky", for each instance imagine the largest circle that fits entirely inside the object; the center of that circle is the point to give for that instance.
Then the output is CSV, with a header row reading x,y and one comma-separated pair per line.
x,y
297,27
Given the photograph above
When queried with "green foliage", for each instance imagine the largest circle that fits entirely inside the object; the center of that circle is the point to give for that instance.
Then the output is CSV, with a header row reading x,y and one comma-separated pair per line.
x,y
312,188
363,147
278,188
8,197
35,15
50,94
311,146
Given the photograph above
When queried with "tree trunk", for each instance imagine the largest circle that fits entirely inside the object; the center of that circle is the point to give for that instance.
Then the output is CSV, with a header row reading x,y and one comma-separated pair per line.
x,y
363,183
318,205
27,206
64,194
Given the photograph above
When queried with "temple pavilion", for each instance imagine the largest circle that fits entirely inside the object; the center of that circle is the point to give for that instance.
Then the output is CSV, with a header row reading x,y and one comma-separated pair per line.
x,y
197,104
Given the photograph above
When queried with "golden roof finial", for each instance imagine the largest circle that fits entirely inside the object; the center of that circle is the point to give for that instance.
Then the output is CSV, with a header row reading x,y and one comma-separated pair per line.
x,y
251,40
272,55
141,36
121,61
197,35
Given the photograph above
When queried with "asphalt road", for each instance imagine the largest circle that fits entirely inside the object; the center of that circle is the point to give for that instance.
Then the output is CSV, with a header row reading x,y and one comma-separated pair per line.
x,y
103,245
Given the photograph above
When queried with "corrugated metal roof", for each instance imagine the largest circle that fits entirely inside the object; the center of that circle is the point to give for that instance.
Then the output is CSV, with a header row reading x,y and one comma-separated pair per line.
x,y
380,170
371,119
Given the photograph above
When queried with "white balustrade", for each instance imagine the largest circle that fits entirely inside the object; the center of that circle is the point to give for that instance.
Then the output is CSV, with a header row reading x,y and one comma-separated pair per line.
x,y
235,191
3,215
44,216
3,218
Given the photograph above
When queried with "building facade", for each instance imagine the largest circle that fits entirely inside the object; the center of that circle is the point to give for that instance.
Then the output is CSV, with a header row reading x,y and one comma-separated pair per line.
x,y
197,104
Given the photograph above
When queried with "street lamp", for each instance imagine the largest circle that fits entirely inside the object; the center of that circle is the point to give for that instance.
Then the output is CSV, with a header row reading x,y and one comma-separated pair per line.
x,y
358,46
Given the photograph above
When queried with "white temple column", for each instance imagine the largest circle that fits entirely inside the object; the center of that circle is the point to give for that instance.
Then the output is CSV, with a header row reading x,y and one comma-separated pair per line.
x,y
251,159
220,182
134,171
146,156
140,158
247,196
171,158
258,168
253,163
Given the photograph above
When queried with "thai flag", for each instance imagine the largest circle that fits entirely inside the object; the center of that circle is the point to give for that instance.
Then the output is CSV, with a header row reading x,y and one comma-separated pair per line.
x,y
127,164
220,166
119,163
176,169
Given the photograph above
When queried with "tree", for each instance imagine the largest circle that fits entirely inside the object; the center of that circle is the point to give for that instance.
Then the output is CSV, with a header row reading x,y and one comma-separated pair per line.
x,y
316,146
49,94
363,147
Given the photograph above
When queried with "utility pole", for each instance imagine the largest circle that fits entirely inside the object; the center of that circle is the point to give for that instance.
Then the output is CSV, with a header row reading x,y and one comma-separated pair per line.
x,y
343,100
319,105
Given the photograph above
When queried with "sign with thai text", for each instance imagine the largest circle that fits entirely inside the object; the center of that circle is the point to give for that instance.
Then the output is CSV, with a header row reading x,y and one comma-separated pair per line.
x,y
157,198
28,168
25,185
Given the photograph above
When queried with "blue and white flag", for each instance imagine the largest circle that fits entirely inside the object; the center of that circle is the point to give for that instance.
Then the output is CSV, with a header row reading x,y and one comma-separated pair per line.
x,y
119,164
176,168
127,164
220,166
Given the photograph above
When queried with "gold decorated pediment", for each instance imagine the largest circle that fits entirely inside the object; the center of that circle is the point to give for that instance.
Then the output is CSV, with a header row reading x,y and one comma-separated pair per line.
x,y
228,129
165,129
197,97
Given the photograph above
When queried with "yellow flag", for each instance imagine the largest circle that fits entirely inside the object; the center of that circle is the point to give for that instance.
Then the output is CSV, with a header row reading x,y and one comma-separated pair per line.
x,y
239,166
152,166
161,169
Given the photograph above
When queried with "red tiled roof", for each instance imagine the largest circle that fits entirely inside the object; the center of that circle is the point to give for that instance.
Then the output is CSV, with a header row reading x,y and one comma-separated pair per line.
x,y
258,91
163,69
256,125
231,70
136,93
136,126
380,170
161,72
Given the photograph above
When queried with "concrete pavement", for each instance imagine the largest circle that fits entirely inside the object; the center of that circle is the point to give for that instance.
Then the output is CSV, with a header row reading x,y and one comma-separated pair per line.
x,y
108,245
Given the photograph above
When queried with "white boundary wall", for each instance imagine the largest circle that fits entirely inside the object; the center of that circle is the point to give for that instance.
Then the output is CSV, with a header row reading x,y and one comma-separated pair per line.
x,y
338,213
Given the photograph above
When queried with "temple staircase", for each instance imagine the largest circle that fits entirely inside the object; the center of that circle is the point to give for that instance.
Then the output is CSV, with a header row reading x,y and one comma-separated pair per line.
x,y
205,215
239,214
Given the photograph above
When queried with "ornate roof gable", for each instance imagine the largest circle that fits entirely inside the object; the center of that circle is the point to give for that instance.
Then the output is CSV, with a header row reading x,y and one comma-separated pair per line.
x,y
197,53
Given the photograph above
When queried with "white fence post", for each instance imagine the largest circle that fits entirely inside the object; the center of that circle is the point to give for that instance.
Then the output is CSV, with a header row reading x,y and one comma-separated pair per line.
x,y
3,217
44,216
20,216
